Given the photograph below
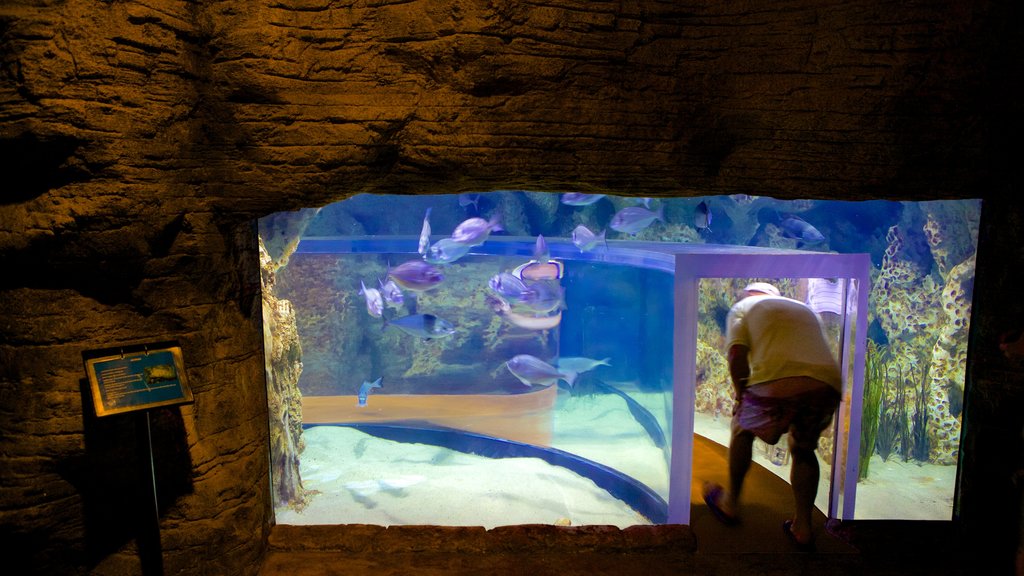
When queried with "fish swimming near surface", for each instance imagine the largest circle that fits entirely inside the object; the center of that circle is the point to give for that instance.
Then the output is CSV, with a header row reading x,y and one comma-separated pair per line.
x,y
374,301
531,370
702,216
392,293
801,230
580,199
579,364
645,202
642,415
474,231
473,200
364,390
634,219
426,326
416,275
527,321
446,251
586,240
425,233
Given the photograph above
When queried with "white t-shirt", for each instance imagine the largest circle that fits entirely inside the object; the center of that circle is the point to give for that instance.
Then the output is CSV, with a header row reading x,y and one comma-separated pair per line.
x,y
785,339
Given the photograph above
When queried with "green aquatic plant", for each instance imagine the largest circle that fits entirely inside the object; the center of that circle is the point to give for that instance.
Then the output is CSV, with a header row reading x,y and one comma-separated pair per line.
x,y
892,413
874,382
919,445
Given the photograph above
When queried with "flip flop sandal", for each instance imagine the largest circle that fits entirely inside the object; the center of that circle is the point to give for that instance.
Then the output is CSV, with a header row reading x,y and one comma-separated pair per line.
x,y
711,496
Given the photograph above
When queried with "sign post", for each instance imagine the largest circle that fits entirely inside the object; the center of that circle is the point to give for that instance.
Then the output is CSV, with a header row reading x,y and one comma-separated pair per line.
x,y
137,379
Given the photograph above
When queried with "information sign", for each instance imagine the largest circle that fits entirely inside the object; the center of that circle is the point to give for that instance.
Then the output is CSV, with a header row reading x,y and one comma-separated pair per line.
x,y
136,378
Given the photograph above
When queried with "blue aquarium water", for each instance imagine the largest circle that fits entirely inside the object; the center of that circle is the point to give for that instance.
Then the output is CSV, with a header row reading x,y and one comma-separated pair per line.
x,y
483,344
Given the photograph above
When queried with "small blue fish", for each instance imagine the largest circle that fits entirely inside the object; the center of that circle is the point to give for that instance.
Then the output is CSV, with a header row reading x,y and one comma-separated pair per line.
x,y
416,275
645,202
446,251
425,233
580,199
579,364
586,240
374,301
508,286
392,293
424,326
633,219
702,216
799,229
470,200
364,390
474,231
532,370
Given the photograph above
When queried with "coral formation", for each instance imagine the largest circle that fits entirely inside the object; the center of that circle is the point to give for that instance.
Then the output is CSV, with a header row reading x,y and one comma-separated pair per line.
x,y
283,355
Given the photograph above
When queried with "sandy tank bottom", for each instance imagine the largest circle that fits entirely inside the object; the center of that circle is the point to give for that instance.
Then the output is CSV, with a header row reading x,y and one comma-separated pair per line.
x,y
356,478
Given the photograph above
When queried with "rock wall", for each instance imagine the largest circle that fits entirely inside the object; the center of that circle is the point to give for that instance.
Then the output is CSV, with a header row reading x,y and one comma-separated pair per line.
x,y
139,141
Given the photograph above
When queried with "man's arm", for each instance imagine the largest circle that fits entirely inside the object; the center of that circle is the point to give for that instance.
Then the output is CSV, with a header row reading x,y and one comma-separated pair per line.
x,y
739,368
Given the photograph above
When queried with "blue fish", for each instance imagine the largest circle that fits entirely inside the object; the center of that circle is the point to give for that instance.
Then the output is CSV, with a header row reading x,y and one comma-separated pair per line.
x,y
586,240
374,301
580,199
470,200
531,370
424,326
416,275
702,216
579,364
474,231
799,229
364,390
446,251
633,219
392,293
425,233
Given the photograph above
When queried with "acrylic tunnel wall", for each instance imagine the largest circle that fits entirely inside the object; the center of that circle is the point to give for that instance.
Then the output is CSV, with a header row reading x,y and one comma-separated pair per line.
x,y
460,402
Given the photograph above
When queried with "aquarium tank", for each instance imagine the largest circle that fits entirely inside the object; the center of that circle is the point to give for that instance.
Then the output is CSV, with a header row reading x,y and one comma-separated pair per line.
x,y
520,357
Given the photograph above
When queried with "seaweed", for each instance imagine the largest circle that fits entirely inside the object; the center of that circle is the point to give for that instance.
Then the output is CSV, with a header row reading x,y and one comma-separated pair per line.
x,y
919,447
892,413
874,382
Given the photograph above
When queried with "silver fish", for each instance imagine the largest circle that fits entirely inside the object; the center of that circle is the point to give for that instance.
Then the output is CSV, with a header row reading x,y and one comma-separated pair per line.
x,y
392,293
633,219
580,199
586,240
474,231
374,301
532,370
425,233
416,275
424,326
579,364
470,200
541,253
364,390
508,286
446,251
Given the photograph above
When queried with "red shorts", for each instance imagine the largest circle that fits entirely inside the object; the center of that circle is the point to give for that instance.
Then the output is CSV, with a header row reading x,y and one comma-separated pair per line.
x,y
803,415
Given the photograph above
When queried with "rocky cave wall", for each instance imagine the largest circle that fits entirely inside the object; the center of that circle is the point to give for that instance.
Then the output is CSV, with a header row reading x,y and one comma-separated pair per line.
x,y
140,140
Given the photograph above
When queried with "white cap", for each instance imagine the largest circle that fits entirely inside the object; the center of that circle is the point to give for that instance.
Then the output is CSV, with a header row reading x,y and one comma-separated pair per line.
x,y
762,287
